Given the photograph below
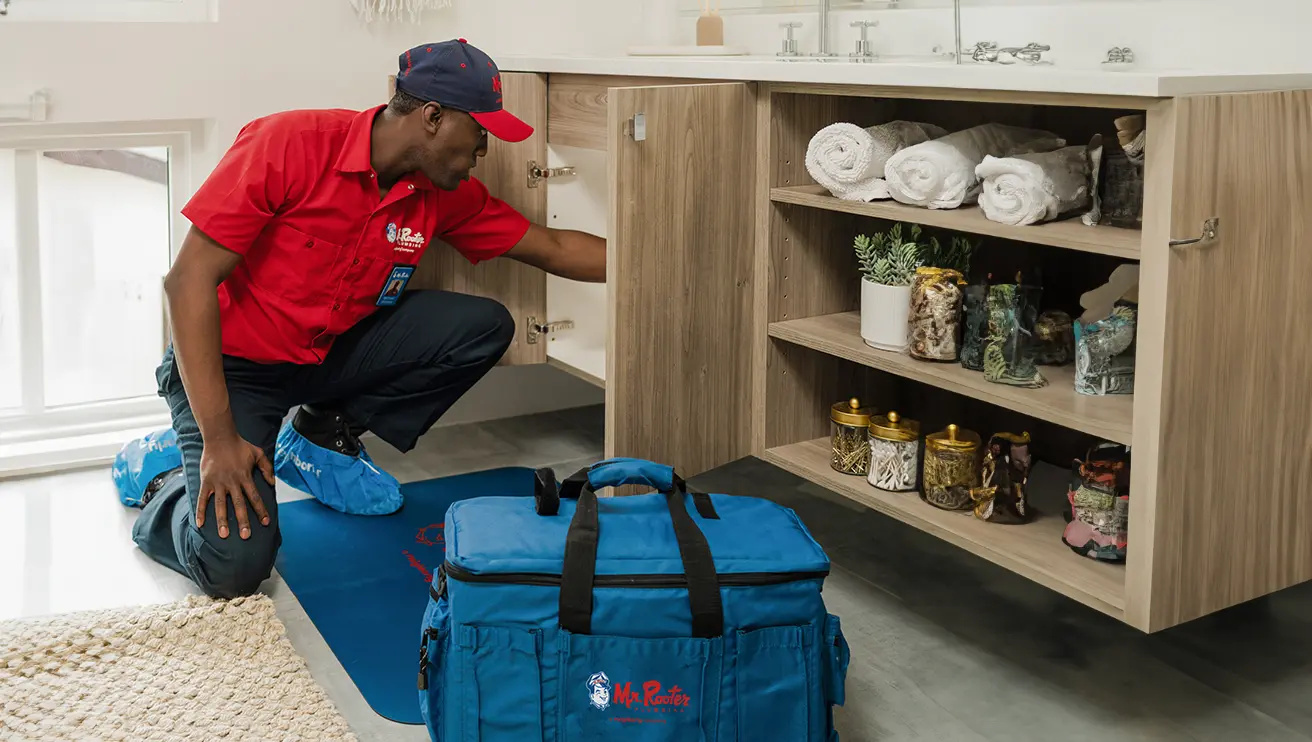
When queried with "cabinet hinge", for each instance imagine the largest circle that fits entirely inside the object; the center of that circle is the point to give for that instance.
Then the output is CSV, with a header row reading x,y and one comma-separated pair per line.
x,y
537,173
538,329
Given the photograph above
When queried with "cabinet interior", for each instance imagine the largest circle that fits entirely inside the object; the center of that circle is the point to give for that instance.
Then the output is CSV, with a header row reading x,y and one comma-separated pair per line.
x,y
815,355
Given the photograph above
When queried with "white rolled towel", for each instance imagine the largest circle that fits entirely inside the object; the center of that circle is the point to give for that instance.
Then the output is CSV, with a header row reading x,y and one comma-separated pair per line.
x,y
849,160
1033,188
940,174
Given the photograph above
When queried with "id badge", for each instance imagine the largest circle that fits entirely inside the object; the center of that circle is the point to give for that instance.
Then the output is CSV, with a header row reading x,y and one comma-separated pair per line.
x,y
395,285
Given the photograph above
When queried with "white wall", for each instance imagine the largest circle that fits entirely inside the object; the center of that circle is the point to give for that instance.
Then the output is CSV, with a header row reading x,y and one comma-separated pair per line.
x,y
1214,35
264,56
269,55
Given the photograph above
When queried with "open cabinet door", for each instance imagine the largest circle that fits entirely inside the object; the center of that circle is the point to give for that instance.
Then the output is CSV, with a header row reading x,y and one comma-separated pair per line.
x,y
521,288
1233,511
679,274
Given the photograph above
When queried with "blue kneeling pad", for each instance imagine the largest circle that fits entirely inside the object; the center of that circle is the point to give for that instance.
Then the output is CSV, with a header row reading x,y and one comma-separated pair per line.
x,y
348,484
143,459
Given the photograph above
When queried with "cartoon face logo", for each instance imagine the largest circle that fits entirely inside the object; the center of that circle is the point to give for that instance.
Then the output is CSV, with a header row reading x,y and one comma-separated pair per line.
x,y
391,232
599,691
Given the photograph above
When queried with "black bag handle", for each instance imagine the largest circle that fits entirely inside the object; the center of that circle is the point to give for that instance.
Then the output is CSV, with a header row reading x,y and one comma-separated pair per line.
x,y
580,568
547,494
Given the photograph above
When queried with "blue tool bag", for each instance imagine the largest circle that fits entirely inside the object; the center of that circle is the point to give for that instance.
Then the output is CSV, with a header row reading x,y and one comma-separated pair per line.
x,y
672,616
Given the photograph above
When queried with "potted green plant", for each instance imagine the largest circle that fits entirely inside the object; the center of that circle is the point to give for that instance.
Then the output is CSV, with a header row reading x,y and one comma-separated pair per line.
x,y
955,254
888,263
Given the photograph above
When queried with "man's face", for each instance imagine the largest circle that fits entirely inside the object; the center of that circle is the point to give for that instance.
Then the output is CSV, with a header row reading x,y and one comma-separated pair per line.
x,y
453,143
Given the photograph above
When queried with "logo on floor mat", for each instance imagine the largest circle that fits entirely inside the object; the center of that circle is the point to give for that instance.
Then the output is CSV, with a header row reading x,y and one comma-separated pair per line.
x,y
599,691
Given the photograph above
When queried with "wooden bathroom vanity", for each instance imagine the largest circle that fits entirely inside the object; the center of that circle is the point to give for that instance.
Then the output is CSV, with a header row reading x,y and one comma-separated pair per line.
x,y
728,323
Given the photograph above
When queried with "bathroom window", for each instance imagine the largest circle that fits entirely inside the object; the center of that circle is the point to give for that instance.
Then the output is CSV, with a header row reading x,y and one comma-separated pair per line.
x,y
88,228
174,11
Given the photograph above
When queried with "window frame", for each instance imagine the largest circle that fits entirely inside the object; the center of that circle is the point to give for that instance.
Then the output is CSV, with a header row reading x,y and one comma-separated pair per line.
x,y
35,422
110,11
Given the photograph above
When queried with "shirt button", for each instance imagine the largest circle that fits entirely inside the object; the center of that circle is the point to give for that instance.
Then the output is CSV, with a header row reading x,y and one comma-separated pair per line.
x,y
412,187
336,307
355,262
309,243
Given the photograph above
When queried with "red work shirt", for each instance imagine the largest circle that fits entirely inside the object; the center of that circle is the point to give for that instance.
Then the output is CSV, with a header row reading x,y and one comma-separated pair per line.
x,y
297,198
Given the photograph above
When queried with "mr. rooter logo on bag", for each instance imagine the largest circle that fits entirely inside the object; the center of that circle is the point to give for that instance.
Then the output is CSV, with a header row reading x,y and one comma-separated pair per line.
x,y
650,697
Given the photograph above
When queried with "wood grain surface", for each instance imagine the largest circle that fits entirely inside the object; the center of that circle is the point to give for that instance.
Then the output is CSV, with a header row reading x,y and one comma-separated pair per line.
x,y
680,275
521,288
1071,234
1034,550
960,95
577,107
1234,500
840,335
1150,344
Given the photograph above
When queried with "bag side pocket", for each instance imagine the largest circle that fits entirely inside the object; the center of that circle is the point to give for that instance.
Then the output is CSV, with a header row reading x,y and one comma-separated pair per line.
x,y
836,657
774,683
433,647
502,684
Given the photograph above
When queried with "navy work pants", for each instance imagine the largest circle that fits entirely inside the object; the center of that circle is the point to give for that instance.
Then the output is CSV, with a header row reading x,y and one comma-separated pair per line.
x,y
395,373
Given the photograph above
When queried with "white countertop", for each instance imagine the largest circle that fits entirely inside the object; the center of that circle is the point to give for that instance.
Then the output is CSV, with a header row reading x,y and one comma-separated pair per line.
x,y
971,76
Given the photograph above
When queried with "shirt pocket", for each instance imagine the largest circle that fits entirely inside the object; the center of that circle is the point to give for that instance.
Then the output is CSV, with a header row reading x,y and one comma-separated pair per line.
x,y
295,265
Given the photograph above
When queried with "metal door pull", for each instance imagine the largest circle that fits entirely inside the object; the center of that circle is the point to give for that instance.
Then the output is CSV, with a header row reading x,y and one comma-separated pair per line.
x,y
1210,227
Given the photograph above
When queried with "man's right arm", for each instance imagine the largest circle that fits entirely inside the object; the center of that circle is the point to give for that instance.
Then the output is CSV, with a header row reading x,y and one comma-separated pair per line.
x,y
228,213
227,460
192,290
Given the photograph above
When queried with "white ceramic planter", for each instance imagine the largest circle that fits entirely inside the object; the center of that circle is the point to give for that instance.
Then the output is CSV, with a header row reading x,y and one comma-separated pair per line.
x,y
884,311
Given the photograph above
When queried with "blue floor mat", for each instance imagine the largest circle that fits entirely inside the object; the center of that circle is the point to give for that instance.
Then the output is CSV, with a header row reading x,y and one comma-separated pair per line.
x,y
364,580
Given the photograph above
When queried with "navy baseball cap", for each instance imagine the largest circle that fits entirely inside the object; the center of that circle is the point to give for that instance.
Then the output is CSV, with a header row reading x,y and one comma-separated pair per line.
x,y
459,75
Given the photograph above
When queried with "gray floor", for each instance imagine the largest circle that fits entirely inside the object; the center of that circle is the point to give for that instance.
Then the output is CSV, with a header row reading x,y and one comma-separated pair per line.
x,y
945,646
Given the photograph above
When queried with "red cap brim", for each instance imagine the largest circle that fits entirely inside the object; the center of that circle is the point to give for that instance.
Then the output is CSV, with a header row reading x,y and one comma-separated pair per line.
x,y
504,125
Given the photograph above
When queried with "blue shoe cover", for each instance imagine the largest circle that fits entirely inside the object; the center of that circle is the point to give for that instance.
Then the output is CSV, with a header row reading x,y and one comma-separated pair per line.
x,y
142,460
348,484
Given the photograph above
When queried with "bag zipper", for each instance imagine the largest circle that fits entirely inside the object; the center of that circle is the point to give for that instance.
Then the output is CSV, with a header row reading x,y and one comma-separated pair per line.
x,y
741,579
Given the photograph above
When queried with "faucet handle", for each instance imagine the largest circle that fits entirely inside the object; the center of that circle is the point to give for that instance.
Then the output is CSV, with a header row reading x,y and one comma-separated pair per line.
x,y
790,43
864,49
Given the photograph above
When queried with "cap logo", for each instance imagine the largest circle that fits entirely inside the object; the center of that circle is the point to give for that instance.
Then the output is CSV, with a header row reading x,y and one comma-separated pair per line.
x,y
496,83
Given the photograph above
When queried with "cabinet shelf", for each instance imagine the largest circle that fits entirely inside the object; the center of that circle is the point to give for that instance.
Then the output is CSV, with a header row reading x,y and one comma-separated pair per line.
x,y
1108,417
1034,550
1071,234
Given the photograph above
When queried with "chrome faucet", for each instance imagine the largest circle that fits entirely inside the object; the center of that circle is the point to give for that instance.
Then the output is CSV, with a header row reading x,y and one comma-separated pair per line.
x,y
824,50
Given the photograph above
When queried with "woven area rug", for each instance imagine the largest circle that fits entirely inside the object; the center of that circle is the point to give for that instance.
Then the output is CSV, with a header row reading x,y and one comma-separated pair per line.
x,y
197,669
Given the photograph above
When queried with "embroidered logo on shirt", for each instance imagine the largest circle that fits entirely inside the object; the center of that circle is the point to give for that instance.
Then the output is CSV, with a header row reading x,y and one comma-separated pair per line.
x,y
405,239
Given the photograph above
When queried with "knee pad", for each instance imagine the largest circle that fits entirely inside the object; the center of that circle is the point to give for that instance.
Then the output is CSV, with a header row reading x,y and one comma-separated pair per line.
x,y
350,484
141,460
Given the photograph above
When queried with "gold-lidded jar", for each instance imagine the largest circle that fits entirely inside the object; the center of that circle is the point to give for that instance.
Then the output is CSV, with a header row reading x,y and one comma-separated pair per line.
x,y
951,468
894,452
848,424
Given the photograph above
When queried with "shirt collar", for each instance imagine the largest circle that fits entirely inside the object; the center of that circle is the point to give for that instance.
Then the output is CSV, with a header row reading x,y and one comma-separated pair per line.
x,y
355,154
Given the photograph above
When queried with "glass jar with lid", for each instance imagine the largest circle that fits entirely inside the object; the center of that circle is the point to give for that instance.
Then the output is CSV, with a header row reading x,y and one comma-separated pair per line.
x,y
951,468
894,453
849,422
